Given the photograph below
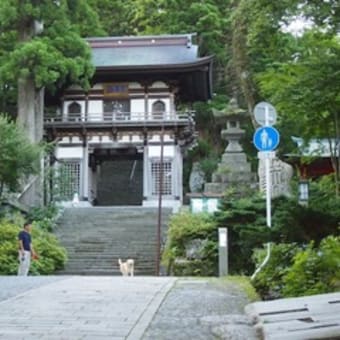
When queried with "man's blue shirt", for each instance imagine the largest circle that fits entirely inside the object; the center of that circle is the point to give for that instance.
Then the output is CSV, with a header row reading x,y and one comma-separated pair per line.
x,y
25,237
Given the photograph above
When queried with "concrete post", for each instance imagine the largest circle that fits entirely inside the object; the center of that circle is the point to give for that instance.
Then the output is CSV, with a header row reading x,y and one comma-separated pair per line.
x,y
222,251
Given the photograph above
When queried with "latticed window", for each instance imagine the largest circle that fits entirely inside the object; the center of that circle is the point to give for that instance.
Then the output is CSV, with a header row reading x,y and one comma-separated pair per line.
x,y
74,108
167,177
158,109
118,109
68,179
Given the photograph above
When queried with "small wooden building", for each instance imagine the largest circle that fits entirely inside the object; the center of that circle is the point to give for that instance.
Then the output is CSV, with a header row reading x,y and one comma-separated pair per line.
x,y
110,139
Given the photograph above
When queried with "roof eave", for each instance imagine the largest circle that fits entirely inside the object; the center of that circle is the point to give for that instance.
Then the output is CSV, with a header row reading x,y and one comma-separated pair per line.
x,y
205,61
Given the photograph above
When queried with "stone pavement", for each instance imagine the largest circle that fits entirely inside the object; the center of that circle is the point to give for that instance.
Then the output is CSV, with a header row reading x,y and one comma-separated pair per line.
x,y
202,309
116,308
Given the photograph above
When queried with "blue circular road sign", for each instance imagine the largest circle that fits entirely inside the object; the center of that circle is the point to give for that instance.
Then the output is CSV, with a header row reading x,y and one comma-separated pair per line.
x,y
266,138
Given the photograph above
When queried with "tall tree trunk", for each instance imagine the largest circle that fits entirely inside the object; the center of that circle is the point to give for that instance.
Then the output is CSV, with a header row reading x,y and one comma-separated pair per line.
x,y
26,107
336,163
39,114
30,111
241,62
30,117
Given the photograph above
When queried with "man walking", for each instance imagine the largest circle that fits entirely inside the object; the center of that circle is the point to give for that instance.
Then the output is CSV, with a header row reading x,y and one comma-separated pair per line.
x,y
25,249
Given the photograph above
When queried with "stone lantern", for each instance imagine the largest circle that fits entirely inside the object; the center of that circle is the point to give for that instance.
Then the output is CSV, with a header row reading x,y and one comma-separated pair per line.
x,y
234,168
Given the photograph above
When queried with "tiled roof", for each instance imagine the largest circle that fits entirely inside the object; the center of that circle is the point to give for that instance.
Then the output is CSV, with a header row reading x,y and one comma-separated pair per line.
x,y
315,147
143,51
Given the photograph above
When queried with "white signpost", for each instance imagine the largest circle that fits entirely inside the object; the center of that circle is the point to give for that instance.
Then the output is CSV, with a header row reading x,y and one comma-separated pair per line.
x,y
266,139
222,251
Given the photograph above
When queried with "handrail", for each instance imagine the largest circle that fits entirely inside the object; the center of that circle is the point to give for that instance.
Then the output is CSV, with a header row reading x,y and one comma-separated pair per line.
x,y
27,186
105,117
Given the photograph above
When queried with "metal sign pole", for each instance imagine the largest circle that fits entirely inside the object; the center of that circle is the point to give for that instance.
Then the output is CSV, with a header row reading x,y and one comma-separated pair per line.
x,y
268,180
265,140
159,219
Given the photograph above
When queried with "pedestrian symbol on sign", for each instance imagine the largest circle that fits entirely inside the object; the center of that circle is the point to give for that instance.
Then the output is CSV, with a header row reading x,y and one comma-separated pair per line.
x,y
266,138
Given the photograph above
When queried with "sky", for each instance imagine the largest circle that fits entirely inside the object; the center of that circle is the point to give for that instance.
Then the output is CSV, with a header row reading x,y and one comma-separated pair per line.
x,y
297,25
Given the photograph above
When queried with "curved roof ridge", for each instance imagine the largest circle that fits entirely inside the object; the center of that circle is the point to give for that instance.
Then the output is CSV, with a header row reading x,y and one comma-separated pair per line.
x,y
142,37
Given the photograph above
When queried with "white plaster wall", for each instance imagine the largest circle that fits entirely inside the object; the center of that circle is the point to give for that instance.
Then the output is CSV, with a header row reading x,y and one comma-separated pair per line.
x,y
69,152
97,86
95,110
94,139
70,140
137,109
157,138
65,140
136,138
155,151
106,139
159,84
135,85
124,139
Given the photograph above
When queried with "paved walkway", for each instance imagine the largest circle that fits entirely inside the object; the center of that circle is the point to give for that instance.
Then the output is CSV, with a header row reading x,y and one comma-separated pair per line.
x,y
116,308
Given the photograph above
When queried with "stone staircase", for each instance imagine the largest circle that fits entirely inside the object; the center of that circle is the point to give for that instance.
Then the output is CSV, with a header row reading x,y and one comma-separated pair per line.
x,y
96,237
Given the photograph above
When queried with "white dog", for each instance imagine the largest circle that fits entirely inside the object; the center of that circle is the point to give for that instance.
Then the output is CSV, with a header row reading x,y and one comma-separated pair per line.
x,y
126,268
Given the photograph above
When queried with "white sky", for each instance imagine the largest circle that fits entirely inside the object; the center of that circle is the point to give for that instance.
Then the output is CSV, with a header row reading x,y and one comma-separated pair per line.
x,y
297,26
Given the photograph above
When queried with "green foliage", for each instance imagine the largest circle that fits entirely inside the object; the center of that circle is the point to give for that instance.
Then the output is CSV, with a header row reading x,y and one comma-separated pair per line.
x,y
18,157
245,220
294,270
291,223
186,227
241,282
52,56
295,223
207,156
315,270
45,217
8,248
51,255
269,280
321,194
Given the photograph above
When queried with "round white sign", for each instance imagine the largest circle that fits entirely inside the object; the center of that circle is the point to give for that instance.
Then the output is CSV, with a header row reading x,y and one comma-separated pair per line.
x,y
265,114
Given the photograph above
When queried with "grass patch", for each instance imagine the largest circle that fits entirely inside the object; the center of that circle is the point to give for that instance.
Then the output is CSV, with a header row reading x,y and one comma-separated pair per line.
x,y
238,282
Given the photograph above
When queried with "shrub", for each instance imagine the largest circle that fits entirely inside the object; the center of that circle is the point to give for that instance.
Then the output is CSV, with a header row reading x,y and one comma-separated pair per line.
x,y
8,248
269,280
299,271
291,223
18,156
315,270
245,220
45,217
295,223
186,228
51,255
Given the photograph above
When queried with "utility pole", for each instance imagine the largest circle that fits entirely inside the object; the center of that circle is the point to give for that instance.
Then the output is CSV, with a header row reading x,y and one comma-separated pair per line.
x,y
160,193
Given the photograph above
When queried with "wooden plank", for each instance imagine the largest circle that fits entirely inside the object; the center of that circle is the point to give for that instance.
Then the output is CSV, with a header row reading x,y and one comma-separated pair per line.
x,y
310,317
316,333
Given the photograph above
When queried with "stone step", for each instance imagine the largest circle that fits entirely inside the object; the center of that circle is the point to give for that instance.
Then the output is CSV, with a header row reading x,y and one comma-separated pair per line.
x,y
96,237
103,273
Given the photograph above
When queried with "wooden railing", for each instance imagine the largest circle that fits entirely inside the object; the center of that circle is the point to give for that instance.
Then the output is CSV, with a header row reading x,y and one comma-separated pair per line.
x,y
121,117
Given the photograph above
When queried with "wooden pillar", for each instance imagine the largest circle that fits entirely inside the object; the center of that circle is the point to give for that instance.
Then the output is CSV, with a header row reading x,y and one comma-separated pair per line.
x,y
146,102
86,106
146,175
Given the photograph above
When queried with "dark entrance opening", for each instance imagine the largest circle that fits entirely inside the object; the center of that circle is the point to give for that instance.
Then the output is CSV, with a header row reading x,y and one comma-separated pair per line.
x,y
119,176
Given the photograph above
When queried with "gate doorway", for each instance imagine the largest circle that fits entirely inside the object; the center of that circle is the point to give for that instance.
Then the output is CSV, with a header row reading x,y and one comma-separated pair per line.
x,y
119,178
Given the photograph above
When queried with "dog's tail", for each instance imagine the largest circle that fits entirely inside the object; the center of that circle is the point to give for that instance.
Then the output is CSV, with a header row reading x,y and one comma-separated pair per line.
x,y
119,261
